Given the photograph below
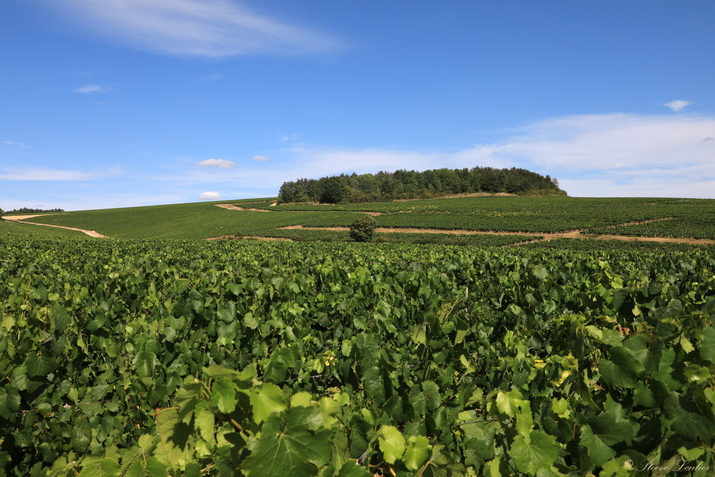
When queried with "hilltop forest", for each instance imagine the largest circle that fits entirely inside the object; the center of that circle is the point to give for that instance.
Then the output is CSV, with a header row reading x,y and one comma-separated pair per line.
x,y
404,184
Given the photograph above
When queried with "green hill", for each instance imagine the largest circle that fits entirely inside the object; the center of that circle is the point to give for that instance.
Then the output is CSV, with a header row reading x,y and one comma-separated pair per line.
x,y
462,220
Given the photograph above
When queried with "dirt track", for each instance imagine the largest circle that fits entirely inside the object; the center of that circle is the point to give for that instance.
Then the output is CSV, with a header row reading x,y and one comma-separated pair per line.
x,y
572,234
21,219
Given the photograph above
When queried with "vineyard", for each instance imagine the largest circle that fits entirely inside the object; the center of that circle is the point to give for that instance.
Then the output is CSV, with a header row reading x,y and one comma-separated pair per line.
x,y
684,218
236,358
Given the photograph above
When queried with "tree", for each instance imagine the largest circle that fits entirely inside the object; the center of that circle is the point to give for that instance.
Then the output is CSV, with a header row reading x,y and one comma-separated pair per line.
x,y
333,189
2,212
363,228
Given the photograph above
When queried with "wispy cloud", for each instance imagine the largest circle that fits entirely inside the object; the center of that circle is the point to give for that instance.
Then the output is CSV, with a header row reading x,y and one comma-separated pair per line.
x,y
677,105
16,144
207,78
259,158
212,195
220,163
292,137
45,175
90,89
211,28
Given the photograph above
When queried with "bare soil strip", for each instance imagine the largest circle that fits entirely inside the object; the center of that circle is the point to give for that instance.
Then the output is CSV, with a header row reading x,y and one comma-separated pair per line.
x,y
20,219
243,209
235,207
639,222
572,234
250,237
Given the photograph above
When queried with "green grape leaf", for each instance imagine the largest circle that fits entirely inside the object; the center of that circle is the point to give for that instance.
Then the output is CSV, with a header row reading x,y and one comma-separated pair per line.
x,y
187,397
290,445
352,469
508,403
598,451
392,443
432,397
539,453
266,401
176,446
622,369
144,363
611,429
155,468
417,452
204,421
39,365
224,394
9,401
707,344
100,467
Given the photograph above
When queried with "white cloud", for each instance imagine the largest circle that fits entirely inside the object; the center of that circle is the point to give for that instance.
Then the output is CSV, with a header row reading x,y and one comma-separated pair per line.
x,y
220,163
90,89
212,28
206,78
45,175
677,105
213,195
292,137
591,155
610,142
16,144
259,158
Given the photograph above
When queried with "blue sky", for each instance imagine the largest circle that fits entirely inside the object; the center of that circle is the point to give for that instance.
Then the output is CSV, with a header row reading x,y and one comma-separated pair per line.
x,y
115,103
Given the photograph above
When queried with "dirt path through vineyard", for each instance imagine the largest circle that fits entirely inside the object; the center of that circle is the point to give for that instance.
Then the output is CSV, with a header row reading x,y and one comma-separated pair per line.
x,y
21,220
571,234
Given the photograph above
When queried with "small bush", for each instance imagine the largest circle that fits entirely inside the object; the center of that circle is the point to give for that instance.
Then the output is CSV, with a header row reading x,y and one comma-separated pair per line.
x,y
363,228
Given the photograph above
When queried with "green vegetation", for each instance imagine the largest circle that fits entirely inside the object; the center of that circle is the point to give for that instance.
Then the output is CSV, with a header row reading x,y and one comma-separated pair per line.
x,y
402,184
363,229
519,215
216,358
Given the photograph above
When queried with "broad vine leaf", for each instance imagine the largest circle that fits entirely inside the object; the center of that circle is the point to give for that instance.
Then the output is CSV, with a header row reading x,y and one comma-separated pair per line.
x,y
9,401
539,453
144,363
352,469
622,369
392,443
707,344
417,452
508,403
290,445
39,365
611,429
100,467
176,446
224,395
598,451
266,401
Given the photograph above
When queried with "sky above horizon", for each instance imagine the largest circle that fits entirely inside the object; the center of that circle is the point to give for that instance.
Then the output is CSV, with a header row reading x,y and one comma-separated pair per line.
x,y
119,103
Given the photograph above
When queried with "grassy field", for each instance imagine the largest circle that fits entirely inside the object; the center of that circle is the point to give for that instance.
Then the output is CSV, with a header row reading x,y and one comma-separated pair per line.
x,y
525,217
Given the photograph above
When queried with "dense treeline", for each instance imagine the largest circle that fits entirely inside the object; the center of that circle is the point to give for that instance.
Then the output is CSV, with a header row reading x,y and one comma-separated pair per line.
x,y
27,210
404,184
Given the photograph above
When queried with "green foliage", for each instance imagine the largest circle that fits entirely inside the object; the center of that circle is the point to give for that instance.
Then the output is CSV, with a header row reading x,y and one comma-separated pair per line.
x,y
243,358
363,229
404,184
520,215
